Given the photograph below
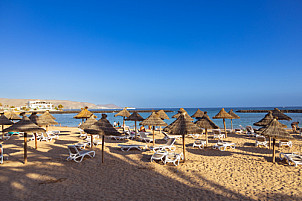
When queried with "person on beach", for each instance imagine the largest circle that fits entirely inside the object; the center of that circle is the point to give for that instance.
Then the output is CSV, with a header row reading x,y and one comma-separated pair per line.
x,y
295,126
114,124
142,129
118,124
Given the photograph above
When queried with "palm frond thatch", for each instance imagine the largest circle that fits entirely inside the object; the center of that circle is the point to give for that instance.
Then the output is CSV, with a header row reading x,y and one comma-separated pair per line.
x,y
198,114
267,119
274,130
153,120
102,127
123,113
162,114
235,116
182,126
4,120
205,122
12,116
37,120
222,114
46,113
135,116
91,120
24,125
84,114
280,115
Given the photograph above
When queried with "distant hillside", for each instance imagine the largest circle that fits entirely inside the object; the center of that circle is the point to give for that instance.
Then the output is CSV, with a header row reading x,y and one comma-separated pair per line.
x,y
65,103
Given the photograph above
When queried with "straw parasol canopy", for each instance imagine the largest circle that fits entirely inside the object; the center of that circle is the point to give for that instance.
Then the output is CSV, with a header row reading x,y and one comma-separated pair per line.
x,y
198,114
273,130
4,121
183,126
181,110
123,113
135,117
91,120
235,116
84,114
280,115
223,115
267,119
162,114
102,127
46,113
27,126
48,119
12,116
206,123
37,120
153,120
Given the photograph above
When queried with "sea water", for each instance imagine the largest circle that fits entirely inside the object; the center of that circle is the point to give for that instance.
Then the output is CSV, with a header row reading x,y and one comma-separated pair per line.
x,y
245,118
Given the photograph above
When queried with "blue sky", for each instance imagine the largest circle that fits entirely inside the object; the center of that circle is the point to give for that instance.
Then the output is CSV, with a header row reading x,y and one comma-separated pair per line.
x,y
153,53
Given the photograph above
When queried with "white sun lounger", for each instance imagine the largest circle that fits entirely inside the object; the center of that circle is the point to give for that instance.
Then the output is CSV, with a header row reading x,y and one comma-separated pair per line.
x,y
127,147
76,155
169,145
222,146
285,143
159,155
118,137
261,141
194,136
199,143
143,137
294,158
167,137
173,158
217,134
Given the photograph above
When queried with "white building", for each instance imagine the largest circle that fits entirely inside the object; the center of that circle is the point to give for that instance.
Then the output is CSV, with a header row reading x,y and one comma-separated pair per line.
x,y
40,105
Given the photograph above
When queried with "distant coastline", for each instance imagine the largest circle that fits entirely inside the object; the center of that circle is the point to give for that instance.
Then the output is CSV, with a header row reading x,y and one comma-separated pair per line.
x,y
266,111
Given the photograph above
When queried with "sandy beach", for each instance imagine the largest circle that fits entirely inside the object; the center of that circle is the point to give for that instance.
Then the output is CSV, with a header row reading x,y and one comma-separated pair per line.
x,y
243,173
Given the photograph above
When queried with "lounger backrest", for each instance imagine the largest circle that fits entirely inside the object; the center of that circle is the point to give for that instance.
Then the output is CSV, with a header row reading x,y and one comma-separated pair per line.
x,y
261,139
73,149
216,131
249,129
171,141
143,135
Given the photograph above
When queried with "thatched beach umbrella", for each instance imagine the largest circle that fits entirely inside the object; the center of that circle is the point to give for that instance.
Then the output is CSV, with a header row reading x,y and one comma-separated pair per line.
x,y
183,126
235,116
46,113
12,116
273,130
37,120
124,113
102,127
135,117
153,120
223,115
4,121
84,114
49,119
198,114
180,111
91,120
280,115
27,126
206,123
267,119
163,116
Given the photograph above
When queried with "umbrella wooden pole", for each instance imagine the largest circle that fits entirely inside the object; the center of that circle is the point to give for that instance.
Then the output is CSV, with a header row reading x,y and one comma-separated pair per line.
x,y
226,135
36,144
25,148
159,129
206,137
103,144
135,130
153,136
124,123
91,141
274,150
232,124
183,147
